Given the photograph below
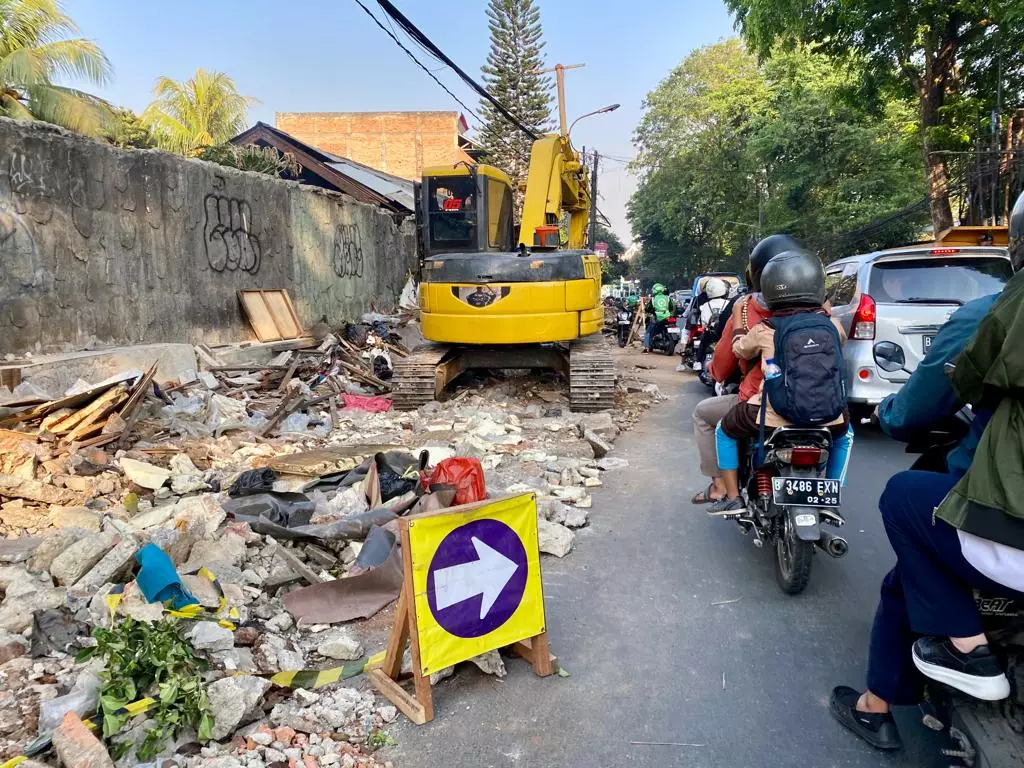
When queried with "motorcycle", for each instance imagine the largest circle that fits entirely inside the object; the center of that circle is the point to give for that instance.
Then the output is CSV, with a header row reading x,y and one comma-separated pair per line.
x,y
623,324
666,337
788,499
946,709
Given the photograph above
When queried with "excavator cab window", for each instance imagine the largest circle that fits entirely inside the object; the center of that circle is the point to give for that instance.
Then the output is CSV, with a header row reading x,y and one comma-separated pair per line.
x,y
499,215
452,214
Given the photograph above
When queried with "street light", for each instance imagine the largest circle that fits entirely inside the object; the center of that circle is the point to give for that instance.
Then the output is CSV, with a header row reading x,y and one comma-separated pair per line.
x,y
601,111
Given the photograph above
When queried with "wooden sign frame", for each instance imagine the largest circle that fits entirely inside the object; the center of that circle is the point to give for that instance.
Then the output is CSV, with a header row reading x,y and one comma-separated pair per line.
x,y
418,706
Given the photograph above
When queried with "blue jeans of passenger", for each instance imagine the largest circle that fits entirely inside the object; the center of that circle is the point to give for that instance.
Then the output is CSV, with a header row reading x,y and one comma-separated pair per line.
x,y
838,458
929,592
651,330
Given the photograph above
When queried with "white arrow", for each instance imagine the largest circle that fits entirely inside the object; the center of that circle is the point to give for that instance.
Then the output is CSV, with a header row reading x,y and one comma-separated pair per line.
x,y
487,575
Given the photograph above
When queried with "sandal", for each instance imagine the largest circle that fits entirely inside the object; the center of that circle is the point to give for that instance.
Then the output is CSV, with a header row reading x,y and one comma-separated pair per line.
x,y
705,497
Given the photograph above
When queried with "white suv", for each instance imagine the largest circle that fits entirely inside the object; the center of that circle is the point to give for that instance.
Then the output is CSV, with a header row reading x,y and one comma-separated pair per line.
x,y
892,303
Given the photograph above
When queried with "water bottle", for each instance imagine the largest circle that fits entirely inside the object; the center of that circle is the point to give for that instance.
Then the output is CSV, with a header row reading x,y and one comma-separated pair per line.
x,y
771,369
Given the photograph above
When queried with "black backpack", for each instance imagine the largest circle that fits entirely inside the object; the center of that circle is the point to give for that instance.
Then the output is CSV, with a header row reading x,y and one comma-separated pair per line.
x,y
812,388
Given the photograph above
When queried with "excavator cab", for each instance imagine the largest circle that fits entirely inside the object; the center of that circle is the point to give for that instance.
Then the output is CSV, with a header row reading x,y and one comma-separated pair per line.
x,y
467,209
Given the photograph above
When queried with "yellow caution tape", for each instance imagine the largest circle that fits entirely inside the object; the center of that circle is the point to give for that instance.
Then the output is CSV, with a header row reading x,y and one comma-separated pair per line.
x,y
225,615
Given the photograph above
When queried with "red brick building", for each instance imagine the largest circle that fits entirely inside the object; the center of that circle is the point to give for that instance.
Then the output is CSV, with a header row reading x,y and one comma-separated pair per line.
x,y
399,143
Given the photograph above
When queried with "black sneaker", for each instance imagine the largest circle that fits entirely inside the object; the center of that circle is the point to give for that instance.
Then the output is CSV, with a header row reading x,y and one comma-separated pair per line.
x,y
977,673
878,730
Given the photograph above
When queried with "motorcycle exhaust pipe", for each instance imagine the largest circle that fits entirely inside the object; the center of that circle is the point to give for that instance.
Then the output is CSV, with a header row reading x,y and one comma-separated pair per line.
x,y
834,546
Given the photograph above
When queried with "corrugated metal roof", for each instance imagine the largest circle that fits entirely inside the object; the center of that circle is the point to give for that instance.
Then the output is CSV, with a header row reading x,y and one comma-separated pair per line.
x,y
395,188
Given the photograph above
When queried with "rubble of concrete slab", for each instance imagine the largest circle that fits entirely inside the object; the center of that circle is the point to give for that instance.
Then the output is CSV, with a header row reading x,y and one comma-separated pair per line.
x,y
283,481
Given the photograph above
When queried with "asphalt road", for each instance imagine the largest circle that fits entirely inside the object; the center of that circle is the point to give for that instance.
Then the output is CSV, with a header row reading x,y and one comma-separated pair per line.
x,y
674,631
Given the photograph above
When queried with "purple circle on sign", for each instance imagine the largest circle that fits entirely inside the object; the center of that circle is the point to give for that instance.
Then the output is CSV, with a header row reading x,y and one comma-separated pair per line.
x,y
477,578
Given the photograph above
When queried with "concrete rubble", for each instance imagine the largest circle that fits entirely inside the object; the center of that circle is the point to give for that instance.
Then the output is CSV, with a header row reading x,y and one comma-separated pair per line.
x,y
74,517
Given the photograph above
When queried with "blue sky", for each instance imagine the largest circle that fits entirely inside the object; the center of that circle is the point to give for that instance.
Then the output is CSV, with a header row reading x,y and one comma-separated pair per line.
x,y
326,55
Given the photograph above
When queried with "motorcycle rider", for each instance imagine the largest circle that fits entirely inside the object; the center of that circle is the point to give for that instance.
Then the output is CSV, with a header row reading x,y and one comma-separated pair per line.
x,y
952,533
792,283
745,312
663,307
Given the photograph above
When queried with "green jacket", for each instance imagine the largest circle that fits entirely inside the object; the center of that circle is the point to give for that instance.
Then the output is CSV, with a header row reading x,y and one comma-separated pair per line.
x,y
662,306
989,500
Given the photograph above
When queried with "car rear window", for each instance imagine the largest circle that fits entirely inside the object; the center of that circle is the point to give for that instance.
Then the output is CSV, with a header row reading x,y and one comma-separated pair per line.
x,y
938,280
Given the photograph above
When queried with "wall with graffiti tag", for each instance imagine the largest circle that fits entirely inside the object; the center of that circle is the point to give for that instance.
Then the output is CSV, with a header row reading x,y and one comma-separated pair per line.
x,y
104,246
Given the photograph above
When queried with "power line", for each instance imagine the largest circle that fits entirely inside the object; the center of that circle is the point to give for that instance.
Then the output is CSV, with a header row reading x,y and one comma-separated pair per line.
x,y
427,43
420,64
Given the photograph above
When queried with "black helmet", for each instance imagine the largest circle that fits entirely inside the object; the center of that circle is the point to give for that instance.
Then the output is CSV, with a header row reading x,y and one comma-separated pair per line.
x,y
793,279
764,252
1017,234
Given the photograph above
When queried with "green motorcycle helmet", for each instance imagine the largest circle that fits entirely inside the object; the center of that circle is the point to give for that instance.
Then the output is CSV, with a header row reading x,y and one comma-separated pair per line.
x,y
658,288
632,302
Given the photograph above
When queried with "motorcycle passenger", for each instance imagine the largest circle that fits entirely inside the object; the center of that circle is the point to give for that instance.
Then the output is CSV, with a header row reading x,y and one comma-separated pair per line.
x,y
662,305
953,534
744,313
792,283
717,291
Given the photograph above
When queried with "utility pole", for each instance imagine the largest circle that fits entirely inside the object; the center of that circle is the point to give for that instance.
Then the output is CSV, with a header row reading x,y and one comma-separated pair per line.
x,y
593,202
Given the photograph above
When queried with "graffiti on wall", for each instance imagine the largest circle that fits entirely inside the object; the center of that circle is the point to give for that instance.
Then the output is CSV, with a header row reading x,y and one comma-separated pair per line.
x,y
231,243
347,260
25,176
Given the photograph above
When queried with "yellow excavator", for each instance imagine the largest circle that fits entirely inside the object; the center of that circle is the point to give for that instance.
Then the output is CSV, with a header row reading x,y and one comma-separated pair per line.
x,y
495,297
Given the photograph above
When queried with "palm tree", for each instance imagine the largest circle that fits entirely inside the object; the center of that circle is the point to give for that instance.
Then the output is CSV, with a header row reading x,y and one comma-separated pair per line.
x,y
206,109
35,49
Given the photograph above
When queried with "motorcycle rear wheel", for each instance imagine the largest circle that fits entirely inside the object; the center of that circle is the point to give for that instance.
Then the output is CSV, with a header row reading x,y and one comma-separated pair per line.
x,y
793,558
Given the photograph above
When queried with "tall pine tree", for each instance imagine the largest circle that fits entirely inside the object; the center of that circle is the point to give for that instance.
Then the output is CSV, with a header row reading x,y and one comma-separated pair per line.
x,y
512,76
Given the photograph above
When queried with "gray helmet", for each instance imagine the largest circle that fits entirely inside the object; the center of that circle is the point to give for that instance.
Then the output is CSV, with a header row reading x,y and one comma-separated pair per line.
x,y
765,251
1016,234
793,279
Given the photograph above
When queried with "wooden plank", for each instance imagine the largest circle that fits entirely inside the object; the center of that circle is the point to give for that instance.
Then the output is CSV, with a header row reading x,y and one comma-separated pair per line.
x,y
537,651
298,566
259,316
130,412
97,411
283,316
392,666
424,695
288,374
401,698
70,401
72,420
291,311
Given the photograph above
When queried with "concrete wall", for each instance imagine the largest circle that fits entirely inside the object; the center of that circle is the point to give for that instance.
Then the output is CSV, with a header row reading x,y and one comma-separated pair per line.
x,y
400,143
103,246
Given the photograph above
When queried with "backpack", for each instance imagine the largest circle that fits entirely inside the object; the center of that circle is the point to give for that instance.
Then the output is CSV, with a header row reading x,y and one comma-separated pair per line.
x,y
812,388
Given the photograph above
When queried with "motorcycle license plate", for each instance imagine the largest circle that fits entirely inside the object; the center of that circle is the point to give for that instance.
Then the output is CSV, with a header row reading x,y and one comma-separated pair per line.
x,y
928,343
673,331
805,492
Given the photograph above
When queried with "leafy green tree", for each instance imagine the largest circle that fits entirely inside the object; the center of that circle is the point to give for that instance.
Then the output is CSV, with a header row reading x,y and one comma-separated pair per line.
x,y
129,131
512,75
730,150
251,157
205,110
945,52
35,51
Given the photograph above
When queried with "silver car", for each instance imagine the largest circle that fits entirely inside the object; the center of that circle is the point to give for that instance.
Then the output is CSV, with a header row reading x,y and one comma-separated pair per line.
x,y
892,303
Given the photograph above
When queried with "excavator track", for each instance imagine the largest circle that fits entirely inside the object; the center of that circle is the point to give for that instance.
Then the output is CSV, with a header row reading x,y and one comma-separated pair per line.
x,y
591,375
415,378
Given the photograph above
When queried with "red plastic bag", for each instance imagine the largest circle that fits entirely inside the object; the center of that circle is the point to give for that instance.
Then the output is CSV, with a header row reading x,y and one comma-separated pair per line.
x,y
465,474
365,403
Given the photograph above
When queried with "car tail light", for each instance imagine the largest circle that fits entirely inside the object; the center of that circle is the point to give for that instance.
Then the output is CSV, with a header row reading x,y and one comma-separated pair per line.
x,y
805,457
671,321
864,319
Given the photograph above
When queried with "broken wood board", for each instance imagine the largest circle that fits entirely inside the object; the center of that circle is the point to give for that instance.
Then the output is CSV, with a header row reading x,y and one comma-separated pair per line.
x,y
271,314
98,408
327,461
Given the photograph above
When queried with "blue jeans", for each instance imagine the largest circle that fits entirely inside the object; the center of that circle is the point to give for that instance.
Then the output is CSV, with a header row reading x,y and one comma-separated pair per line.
x,y
651,330
838,458
929,592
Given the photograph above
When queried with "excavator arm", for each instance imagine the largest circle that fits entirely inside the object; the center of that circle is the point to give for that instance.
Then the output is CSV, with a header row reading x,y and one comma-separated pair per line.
x,y
558,184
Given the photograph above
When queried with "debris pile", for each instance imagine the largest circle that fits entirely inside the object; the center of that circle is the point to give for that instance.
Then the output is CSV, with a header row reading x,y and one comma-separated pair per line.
x,y
257,509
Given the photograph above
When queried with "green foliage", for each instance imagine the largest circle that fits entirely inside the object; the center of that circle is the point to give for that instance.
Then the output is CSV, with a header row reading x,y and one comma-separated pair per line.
x,y
252,158
35,51
151,660
730,148
205,110
379,739
952,55
512,75
129,132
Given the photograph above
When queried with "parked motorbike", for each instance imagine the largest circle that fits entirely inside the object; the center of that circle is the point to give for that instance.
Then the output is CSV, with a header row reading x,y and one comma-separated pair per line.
x,y
788,499
623,323
666,337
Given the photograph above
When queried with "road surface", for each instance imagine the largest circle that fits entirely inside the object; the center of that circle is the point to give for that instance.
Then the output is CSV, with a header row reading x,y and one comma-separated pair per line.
x,y
674,631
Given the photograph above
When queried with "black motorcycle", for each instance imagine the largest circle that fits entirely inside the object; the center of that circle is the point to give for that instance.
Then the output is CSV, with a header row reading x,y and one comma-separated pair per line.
x,y
788,499
623,323
948,710
666,337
